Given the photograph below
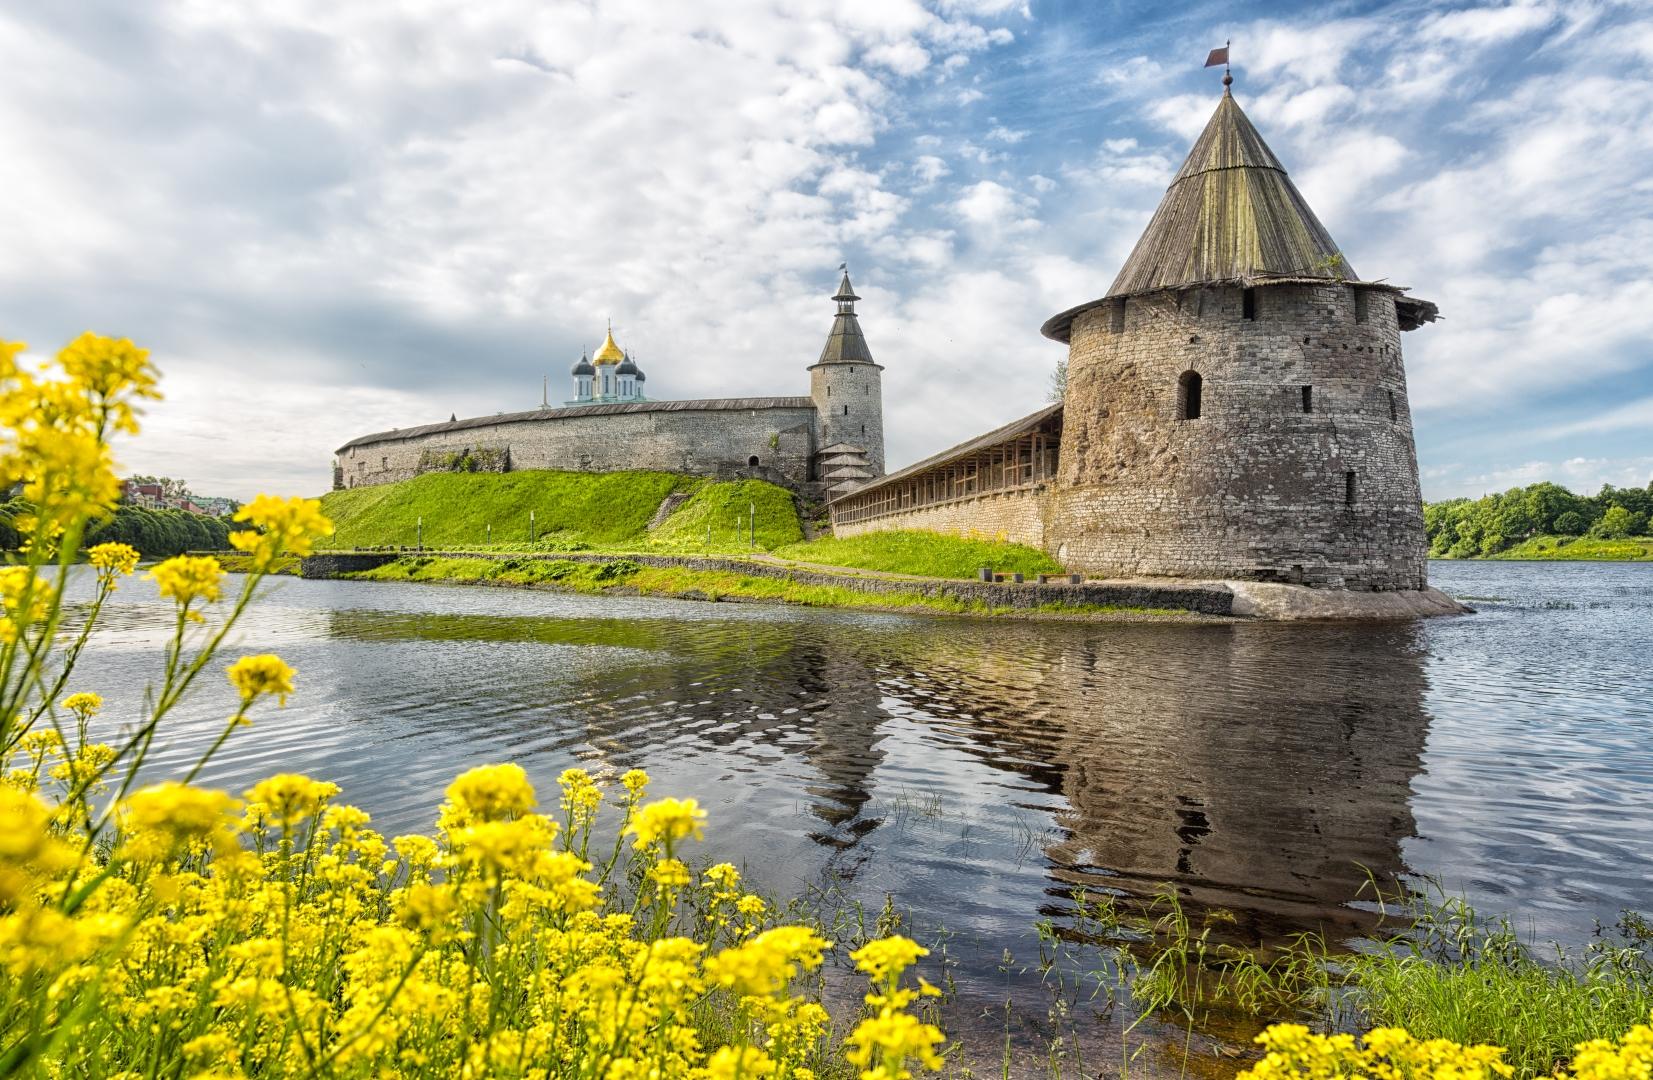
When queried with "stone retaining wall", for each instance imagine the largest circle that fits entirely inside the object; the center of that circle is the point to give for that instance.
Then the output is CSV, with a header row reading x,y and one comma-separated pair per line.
x,y
1208,599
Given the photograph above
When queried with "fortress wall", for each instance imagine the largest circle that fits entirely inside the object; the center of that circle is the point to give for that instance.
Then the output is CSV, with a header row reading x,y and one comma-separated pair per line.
x,y
1255,488
1017,515
697,442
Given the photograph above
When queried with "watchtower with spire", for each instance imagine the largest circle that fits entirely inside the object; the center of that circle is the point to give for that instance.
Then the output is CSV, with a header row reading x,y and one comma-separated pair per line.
x,y
848,393
1236,405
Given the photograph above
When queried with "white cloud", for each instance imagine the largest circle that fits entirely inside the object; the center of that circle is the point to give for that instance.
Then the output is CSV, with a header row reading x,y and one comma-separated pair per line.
x,y
994,209
1632,416
901,57
929,168
1584,476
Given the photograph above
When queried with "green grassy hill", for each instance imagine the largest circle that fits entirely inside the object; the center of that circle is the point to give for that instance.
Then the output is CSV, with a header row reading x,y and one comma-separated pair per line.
x,y
1582,548
572,511
576,511
596,509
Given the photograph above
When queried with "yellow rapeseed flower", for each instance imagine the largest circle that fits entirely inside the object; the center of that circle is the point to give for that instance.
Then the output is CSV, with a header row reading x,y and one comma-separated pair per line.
x,y
491,793
666,821
112,561
882,1045
254,676
169,817
187,578
279,527
25,600
887,957
739,1063
114,371
84,704
291,797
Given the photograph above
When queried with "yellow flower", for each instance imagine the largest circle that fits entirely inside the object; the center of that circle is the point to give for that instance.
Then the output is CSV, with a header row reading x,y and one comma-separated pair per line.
x,y
580,796
670,874
887,957
187,578
666,821
292,797
165,818
887,1040
113,371
112,561
84,704
25,600
744,1063
764,965
280,527
635,781
491,793
253,676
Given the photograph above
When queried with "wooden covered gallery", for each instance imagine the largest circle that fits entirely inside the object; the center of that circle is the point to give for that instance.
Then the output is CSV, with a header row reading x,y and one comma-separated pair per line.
x,y
1019,456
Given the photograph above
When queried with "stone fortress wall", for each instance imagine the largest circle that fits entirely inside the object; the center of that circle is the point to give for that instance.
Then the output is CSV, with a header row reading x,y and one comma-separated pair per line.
x,y
1299,468
709,438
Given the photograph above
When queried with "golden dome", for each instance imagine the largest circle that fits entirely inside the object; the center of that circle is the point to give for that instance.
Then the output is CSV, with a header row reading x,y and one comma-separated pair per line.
x,y
610,353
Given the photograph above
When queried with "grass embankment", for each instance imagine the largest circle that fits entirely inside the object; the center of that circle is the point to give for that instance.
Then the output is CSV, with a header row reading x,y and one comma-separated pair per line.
x,y
1580,549
1436,968
593,509
611,512
629,577
234,562
926,553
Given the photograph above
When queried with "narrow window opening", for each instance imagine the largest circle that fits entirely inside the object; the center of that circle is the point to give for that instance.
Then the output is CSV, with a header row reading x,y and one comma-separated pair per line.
x,y
863,429
384,463
1117,317
1361,305
829,391
1189,391
1394,414
753,460
1349,486
1308,399
1248,304
846,410
852,369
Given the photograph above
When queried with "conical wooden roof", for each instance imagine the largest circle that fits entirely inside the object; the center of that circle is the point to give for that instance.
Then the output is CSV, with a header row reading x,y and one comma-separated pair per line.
x,y
1231,214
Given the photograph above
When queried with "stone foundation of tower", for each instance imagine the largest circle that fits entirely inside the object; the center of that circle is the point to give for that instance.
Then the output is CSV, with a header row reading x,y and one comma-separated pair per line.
x,y
1299,467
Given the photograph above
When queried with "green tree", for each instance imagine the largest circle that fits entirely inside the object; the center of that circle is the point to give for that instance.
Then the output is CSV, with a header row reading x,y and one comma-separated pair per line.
x,y
1572,523
1615,524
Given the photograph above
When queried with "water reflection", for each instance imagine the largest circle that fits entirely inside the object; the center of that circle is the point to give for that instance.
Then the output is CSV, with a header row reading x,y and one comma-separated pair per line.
x,y
978,772
1260,769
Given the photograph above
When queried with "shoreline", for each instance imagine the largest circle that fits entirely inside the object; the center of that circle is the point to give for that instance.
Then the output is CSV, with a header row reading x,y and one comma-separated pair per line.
x,y
766,579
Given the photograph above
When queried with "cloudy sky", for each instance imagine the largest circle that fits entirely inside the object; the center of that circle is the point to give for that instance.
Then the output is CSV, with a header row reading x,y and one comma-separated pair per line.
x,y
331,218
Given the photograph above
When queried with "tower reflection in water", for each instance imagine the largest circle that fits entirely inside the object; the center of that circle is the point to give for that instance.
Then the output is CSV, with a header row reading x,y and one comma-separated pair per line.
x,y
1262,769
1265,769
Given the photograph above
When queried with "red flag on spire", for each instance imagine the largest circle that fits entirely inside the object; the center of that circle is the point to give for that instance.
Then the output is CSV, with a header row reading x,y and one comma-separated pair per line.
x,y
1218,56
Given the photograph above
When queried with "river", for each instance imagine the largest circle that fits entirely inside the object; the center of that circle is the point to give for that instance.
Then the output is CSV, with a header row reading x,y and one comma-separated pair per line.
x,y
977,771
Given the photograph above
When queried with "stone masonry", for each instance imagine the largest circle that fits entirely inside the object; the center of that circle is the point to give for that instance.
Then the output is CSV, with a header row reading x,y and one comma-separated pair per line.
x,y
830,440
1299,467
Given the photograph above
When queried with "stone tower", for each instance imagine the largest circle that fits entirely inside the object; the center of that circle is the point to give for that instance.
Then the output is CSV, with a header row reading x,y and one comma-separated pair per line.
x,y
1236,405
849,399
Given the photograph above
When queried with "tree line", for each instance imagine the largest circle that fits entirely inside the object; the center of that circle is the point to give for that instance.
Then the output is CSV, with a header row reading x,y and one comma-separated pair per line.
x,y
157,534
1465,528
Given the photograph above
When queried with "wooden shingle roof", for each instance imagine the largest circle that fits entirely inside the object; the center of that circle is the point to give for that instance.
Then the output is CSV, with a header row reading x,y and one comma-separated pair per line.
x,y
1233,216
1231,213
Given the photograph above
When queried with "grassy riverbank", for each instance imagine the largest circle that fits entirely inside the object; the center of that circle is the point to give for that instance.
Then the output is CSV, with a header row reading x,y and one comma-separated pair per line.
x,y
926,553
1580,549
612,512
626,577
